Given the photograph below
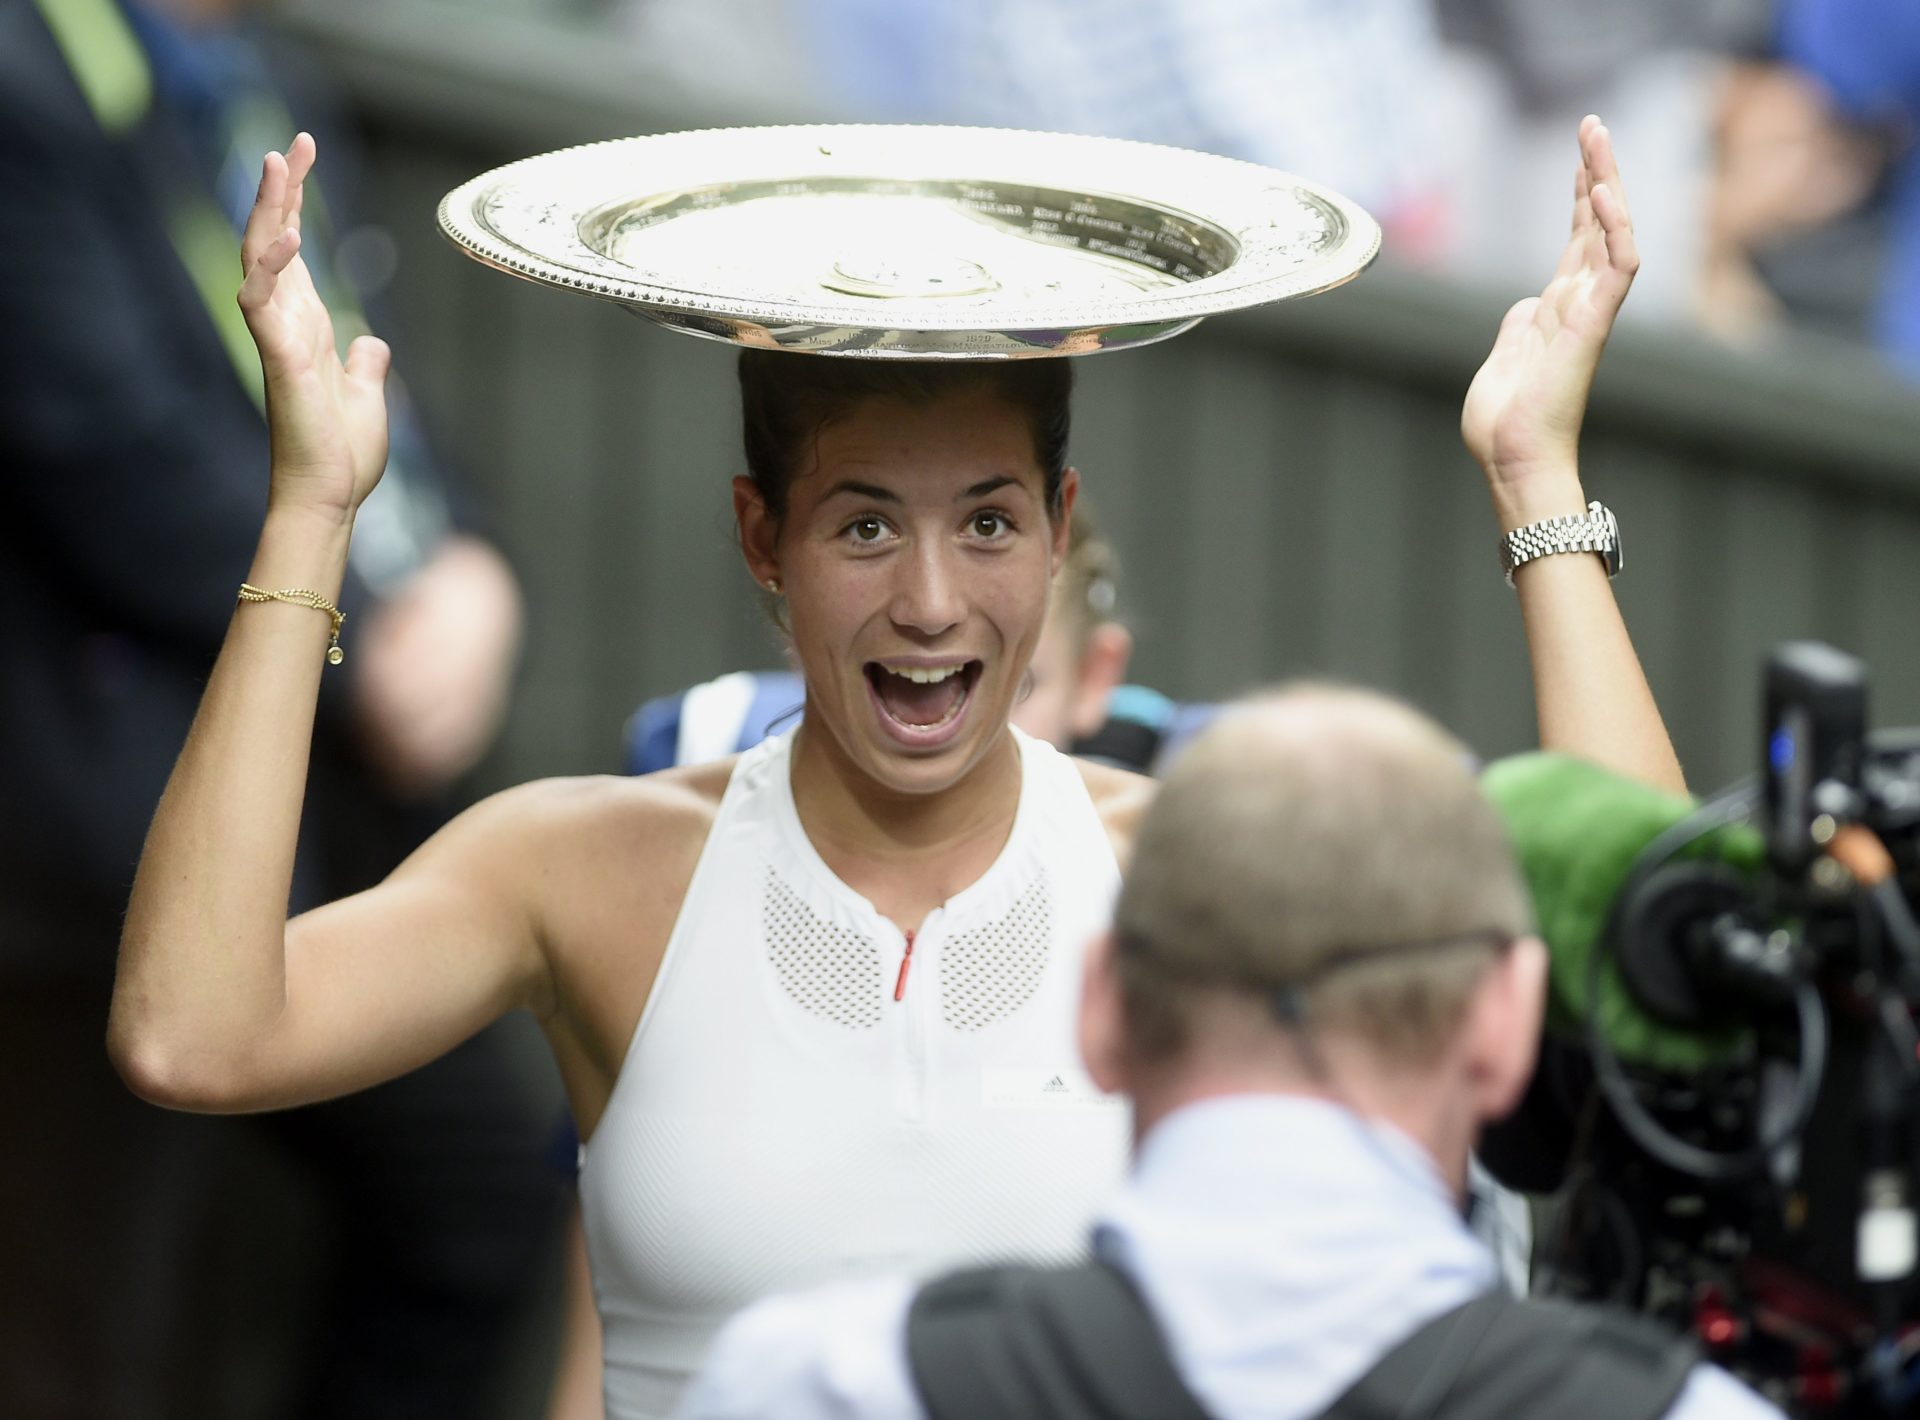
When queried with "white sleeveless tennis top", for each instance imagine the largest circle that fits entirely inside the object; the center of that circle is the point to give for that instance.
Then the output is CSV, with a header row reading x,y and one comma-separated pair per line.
x,y
790,1113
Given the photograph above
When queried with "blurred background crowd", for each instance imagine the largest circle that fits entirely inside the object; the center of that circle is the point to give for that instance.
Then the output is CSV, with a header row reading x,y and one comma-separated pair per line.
x,y
1285,492
1770,138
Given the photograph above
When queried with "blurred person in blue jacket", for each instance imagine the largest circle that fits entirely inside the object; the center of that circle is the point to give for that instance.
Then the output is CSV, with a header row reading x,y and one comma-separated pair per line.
x,y
132,427
1866,55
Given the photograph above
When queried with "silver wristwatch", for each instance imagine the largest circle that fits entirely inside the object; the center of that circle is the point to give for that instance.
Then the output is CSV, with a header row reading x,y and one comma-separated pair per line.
x,y
1598,531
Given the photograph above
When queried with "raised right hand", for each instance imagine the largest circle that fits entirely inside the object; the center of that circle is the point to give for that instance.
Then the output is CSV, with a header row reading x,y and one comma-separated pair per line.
x,y
327,419
1524,409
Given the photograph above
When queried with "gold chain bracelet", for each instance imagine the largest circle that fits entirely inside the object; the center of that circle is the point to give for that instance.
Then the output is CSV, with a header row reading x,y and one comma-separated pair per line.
x,y
300,596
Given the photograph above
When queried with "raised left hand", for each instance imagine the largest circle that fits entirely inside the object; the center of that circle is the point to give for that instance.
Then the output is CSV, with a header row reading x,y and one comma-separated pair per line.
x,y
1523,411
326,417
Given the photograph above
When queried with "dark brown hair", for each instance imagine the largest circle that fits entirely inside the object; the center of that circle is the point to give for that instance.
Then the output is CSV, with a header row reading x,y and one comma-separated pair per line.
x,y
787,399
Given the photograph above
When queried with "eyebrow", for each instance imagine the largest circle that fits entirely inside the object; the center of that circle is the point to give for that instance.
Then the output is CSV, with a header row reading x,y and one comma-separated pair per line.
x,y
862,490
878,494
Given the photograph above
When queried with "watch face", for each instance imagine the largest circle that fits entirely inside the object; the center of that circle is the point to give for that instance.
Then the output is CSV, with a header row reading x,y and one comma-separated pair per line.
x,y
1613,558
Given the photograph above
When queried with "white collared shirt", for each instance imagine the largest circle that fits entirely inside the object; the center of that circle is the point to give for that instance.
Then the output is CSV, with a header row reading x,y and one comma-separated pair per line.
x,y
1283,1245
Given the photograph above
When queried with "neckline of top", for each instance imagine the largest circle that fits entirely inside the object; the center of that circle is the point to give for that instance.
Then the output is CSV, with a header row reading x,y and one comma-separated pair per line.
x,y
793,833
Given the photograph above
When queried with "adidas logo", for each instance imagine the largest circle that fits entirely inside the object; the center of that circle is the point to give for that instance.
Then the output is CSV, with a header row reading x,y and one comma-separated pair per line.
x,y
1055,1086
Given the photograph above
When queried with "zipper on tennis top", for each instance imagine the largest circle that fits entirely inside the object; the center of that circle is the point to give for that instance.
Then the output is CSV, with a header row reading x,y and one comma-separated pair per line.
x,y
906,960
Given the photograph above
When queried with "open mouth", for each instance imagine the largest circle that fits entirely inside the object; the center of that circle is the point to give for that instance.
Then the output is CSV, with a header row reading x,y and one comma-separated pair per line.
x,y
919,703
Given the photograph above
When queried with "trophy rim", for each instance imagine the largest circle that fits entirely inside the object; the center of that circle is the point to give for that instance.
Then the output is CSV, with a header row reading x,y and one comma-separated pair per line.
x,y
555,194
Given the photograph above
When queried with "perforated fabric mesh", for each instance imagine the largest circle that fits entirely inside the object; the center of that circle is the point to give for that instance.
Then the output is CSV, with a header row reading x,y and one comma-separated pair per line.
x,y
990,972
830,971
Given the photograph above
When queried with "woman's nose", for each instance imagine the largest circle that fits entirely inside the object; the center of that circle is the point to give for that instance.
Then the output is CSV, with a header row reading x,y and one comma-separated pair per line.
x,y
927,596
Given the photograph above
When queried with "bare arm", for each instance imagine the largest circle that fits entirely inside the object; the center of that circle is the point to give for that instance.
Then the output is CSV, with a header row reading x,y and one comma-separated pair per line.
x,y
219,1003
576,1381
1522,422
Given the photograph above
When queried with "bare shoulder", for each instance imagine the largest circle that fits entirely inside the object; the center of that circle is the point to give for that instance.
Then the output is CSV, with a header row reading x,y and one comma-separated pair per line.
x,y
650,805
1120,797
705,783
600,865
552,833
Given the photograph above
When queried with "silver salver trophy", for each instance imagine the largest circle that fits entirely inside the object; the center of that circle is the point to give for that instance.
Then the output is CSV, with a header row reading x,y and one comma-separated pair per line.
x,y
896,241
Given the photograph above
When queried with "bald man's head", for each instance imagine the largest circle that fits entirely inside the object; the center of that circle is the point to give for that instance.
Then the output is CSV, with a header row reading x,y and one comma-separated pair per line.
x,y
1324,847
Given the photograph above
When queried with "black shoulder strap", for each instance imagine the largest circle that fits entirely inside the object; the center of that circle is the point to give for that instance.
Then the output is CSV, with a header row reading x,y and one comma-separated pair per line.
x,y
1027,1343
1498,1356
1037,1343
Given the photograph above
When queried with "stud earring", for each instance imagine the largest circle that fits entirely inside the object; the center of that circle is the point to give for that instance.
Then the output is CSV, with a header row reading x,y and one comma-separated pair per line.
x,y
773,585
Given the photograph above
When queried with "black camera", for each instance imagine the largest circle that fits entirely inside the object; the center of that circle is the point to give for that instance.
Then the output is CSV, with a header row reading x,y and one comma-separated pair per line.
x,y
1764,1197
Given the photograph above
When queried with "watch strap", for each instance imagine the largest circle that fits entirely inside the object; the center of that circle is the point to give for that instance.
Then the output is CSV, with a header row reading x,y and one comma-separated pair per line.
x,y
1595,531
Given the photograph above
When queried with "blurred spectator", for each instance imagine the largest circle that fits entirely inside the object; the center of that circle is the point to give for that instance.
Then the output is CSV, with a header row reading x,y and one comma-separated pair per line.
x,y
1334,91
1552,56
1866,56
1522,72
1793,231
1446,118
130,423
722,49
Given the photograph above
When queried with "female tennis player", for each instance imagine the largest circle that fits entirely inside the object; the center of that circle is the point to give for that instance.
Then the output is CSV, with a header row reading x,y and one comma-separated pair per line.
x,y
813,1006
